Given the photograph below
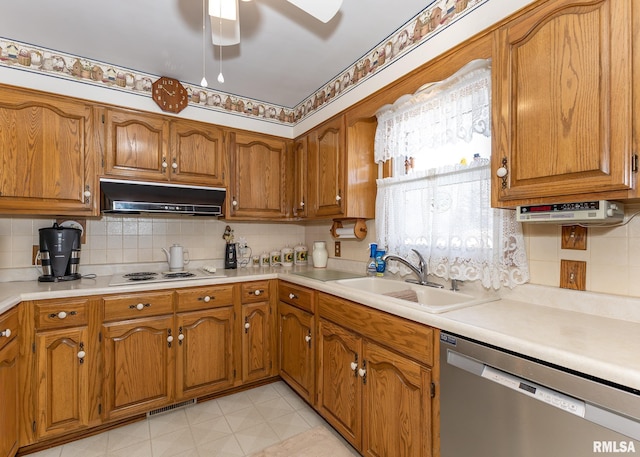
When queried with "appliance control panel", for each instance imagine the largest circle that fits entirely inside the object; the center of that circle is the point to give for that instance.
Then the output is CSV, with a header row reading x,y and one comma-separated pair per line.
x,y
541,393
590,211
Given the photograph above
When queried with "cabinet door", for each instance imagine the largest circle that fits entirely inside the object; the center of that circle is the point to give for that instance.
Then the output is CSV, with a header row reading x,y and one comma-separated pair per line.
x,y
327,169
257,177
300,172
205,355
197,151
136,145
563,102
297,361
396,405
256,341
62,381
46,153
339,386
139,365
9,418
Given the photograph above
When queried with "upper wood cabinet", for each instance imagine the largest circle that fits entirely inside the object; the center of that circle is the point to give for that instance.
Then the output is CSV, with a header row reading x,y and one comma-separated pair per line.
x,y
563,103
157,148
257,177
47,155
340,169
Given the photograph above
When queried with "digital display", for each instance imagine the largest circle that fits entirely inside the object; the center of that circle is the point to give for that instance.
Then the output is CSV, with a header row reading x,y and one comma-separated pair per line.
x,y
528,388
560,207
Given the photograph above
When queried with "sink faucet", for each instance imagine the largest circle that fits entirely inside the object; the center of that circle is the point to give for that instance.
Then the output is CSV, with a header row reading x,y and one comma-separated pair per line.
x,y
420,270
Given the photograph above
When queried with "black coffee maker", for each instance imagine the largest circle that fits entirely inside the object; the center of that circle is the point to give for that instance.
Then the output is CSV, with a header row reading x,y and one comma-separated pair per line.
x,y
60,253
230,257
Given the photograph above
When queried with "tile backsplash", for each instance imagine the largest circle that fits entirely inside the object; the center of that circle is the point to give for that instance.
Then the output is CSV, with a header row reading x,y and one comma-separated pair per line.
x,y
118,239
612,254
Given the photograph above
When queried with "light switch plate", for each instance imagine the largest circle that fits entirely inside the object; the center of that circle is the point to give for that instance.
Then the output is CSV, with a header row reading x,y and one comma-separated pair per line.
x,y
337,249
573,274
574,237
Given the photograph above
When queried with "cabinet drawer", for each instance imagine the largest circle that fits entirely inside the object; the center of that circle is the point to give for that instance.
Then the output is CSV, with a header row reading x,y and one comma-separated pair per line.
x,y
60,313
300,297
407,337
204,297
132,306
255,291
8,321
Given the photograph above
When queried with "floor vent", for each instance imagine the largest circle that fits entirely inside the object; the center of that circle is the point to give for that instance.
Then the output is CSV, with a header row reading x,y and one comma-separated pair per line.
x,y
173,407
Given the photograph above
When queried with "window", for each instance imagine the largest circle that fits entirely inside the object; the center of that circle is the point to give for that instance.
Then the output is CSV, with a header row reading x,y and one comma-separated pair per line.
x,y
439,199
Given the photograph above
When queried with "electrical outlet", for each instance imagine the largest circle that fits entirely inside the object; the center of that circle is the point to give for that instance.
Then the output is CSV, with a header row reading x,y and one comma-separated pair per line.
x,y
337,249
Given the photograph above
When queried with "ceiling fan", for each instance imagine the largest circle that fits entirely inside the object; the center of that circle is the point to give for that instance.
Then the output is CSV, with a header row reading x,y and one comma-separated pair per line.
x,y
225,21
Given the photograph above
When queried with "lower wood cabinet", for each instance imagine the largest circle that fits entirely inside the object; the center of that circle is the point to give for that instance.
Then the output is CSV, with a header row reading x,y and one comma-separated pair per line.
x,y
206,355
258,334
10,416
375,383
66,353
297,342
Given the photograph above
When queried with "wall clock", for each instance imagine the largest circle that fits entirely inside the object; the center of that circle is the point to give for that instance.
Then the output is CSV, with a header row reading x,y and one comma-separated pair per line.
x,y
169,94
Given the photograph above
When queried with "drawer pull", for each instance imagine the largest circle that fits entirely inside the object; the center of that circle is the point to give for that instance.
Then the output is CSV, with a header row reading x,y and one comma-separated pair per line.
x,y
247,325
140,306
292,296
354,366
180,336
6,333
206,298
62,314
258,291
308,339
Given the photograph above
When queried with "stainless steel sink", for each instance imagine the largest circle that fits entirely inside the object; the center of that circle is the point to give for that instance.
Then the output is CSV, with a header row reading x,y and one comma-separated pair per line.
x,y
428,299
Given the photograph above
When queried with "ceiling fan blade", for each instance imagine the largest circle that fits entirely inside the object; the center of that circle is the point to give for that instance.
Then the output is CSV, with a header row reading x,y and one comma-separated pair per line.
x,y
323,10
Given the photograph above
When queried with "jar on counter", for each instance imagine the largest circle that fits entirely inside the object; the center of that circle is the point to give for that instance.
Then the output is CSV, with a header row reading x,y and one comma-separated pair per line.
x,y
300,254
287,257
320,255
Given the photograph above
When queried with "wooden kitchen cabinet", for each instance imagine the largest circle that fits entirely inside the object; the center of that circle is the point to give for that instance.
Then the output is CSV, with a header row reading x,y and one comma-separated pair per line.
x,y
153,147
563,103
257,177
258,330
9,379
206,357
47,155
340,170
139,356
374,382
66,375
297,339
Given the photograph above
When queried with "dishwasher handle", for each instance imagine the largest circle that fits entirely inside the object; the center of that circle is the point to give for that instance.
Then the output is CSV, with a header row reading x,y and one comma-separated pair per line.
x,y
580,408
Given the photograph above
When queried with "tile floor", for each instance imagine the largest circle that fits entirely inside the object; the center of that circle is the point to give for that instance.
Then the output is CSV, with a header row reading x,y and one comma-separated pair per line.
x,y
232,426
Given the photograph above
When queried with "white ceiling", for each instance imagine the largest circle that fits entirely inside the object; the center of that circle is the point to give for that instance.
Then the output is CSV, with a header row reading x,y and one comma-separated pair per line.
x,y
284,55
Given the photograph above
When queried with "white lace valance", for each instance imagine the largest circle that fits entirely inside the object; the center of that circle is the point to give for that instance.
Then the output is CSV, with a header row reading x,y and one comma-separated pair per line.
x,y
437,114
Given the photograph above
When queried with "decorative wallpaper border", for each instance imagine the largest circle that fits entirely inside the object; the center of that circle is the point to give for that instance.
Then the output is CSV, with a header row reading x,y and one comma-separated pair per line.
x,y
430,21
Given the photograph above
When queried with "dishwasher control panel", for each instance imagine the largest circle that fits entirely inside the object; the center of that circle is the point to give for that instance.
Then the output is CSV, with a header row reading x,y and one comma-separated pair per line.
x,y
541,393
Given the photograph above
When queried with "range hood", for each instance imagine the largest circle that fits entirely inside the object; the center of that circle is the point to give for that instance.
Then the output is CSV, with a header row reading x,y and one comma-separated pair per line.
x,y
133,197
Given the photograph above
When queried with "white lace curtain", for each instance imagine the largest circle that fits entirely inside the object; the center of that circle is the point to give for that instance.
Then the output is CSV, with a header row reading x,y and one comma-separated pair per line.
x,y
445,213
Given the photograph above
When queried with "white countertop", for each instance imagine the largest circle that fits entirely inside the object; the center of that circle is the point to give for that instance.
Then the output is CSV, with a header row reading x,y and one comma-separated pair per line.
x,y
591,333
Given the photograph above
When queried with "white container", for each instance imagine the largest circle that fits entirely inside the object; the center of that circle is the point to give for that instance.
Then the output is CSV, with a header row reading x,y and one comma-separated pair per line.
x,y
300,254
287,257
320,256
274,259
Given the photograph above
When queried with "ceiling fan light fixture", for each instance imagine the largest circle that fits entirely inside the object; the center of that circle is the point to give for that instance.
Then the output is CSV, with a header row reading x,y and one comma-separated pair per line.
x,y
224,9
323,10
224,32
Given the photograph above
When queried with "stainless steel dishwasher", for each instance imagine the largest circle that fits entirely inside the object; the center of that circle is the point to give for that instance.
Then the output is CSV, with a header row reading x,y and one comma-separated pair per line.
x,y
495,403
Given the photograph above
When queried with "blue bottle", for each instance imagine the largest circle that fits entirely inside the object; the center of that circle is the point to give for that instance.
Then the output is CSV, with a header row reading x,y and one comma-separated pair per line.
x,y
381,265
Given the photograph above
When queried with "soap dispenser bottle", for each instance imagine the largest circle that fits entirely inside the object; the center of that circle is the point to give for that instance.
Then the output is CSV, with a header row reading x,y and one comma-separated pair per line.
x,y
371,264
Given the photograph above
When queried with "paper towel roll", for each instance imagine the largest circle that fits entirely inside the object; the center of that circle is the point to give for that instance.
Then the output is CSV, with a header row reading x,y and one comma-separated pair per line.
x,y
345,232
